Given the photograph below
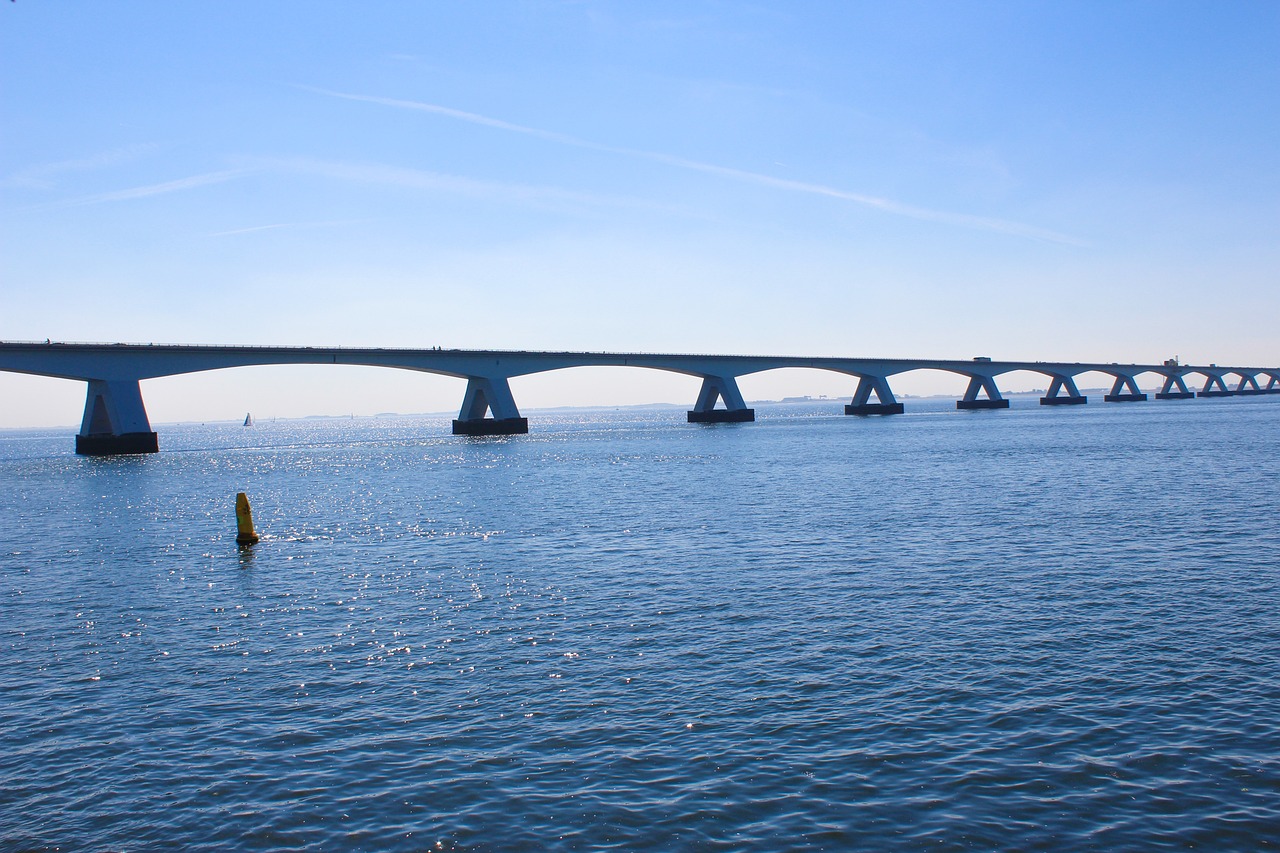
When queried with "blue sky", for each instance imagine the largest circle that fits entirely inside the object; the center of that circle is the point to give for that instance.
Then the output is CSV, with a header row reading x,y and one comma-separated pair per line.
x,y
1059,181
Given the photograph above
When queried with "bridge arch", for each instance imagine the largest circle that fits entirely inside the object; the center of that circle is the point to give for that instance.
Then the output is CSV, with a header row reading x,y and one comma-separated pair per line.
x,y
610,386
306,389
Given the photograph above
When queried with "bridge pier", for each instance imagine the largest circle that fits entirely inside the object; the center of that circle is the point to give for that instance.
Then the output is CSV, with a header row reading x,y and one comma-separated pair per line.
x,y
115,420
1170,382
886,403
1125,390
1215,386
720,388
1073,397
1248,386
489,394
987,385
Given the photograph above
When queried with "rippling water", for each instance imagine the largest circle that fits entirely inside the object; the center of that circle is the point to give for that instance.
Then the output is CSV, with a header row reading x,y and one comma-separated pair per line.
x,y
1034,629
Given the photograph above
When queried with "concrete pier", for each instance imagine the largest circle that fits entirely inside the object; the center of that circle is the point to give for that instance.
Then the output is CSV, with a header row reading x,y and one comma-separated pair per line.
x,y
886,403
720,388
1055,397
1125,389
1174,381
982,383
489,394
722,416
491,426
874,409
1215,385
115,420
117,445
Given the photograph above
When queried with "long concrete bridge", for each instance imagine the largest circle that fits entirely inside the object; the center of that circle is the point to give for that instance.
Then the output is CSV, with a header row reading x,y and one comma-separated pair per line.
x,y
115,419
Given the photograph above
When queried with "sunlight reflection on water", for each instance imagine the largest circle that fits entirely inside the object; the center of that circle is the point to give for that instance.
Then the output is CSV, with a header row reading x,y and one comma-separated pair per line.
x,y
1022,629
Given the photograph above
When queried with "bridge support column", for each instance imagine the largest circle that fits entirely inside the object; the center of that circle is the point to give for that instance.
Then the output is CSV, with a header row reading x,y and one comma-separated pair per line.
x,y
1125,390
885,403
489,394
1273,384
1167,392
1248,386
1214,386
115,420
987,385
720,388
1073,397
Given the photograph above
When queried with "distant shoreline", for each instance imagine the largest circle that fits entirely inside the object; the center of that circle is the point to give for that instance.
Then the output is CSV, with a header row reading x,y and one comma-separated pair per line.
x,y
787,401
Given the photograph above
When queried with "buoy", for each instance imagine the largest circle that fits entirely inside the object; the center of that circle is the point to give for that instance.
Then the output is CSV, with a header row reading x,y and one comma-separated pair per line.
x,y
245,534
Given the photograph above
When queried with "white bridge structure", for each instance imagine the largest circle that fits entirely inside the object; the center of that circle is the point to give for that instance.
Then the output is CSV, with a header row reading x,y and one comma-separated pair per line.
x,y
115,419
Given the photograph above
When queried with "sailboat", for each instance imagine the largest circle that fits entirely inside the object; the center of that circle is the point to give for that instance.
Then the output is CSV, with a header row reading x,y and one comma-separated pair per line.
x,y
248,419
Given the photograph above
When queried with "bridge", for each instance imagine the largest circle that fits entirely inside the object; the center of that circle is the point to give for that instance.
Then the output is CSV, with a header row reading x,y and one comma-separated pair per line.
x,y
115,418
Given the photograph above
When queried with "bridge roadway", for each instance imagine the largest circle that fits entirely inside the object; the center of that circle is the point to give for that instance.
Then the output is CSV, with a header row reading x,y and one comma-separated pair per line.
x,y
115,419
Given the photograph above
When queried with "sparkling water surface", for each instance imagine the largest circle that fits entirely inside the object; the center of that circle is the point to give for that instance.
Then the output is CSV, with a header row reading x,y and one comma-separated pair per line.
x,y
1033,629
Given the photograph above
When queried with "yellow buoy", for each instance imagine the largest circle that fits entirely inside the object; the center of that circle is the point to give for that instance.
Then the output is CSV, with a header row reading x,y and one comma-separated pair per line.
x,y
245,534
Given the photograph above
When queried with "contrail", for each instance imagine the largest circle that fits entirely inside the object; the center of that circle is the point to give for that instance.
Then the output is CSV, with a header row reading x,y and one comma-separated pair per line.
x,y
887,205
377,174
41,177
160,189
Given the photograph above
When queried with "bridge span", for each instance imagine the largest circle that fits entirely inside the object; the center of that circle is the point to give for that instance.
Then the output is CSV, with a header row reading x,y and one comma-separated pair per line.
x,y
115,418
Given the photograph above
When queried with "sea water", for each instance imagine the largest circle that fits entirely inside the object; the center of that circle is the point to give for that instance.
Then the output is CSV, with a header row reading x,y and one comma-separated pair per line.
x,y
1036,629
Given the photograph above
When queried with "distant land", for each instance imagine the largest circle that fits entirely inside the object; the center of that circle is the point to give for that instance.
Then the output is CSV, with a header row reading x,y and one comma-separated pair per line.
x,y
265,419
1035,392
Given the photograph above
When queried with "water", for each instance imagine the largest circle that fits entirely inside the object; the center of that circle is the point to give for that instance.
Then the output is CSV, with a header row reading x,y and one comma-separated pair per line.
x,y
1036,629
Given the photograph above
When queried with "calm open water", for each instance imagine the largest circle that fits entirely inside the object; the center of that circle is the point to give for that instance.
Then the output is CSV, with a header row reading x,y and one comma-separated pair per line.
x,y
1035,629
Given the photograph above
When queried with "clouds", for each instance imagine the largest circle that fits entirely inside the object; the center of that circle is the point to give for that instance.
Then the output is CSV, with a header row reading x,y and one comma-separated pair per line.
x,y
369,175
164,188
43,176
462,115
890,206
426,181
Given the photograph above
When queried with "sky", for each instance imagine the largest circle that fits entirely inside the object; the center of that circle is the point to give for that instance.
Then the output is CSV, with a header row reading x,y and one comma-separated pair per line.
x,y
1068,181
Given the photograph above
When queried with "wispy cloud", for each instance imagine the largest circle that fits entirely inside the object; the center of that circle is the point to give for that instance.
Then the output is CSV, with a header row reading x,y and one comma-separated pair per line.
x,y
41,177
368,174
180,185
419,179
253,229
887,205
474,118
